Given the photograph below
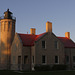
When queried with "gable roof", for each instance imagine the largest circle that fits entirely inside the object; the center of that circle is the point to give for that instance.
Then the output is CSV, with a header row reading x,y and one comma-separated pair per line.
x,y
68,43
29,40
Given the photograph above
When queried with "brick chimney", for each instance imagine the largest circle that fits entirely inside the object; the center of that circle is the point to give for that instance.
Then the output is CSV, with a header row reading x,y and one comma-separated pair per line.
x,y
33,31
48,26
67,34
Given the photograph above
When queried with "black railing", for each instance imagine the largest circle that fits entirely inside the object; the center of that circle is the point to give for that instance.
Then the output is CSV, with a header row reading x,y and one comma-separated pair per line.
x,y
2,17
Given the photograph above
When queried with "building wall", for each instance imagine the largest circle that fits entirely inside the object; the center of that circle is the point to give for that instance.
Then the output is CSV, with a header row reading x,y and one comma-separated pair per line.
x,y
27,53
16,51
50,51
26,58
32,59
70,52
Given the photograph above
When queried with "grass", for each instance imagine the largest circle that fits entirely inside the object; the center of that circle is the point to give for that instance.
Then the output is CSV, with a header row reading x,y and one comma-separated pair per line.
x,y
37,73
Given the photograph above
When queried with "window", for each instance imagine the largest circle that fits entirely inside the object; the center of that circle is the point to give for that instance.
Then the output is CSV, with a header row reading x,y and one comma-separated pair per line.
x,y
19,59
56,59
73,59
43,44
25,59
43,59
14,59
67,59
32,59
56,45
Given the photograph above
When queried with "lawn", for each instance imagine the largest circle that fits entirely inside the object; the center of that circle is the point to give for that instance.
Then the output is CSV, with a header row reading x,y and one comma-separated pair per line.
x,y
37,73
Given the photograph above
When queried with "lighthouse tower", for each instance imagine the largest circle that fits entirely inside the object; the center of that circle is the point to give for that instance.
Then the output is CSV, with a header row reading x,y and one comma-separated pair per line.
x,y
7,35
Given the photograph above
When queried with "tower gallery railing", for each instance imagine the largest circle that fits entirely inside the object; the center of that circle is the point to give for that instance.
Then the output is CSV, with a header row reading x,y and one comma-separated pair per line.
x,y
2,17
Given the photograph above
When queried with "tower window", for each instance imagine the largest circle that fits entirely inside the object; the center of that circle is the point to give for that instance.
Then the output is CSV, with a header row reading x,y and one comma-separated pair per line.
x,y
0,22
8,26
1,26
4,25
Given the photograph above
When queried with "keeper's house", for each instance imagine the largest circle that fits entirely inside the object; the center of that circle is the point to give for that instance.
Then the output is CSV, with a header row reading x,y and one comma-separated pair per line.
x,y
45,49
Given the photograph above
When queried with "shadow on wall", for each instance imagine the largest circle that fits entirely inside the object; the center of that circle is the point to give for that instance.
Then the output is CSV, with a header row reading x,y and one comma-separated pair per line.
x,y
3,48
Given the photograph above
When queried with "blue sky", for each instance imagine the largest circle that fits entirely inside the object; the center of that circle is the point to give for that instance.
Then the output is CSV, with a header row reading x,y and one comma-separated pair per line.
x,y
35,14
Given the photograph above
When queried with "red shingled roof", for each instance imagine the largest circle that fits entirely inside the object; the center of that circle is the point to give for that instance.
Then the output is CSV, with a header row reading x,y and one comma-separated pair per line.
x,y
28,40
68,43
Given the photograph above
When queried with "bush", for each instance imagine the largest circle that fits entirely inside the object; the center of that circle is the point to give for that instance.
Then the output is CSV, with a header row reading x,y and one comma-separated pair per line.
x,y
59,67
42,68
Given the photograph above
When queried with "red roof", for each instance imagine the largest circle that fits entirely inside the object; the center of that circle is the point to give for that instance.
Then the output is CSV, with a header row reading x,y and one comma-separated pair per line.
x,y
68,43
29,40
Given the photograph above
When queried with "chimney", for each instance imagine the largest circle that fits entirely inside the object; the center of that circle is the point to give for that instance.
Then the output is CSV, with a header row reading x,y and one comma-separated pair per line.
x,y
67,34
32,31
48,26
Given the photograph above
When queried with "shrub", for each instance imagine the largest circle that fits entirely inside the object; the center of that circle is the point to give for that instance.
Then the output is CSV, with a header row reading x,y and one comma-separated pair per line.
x,y
42,68
59,67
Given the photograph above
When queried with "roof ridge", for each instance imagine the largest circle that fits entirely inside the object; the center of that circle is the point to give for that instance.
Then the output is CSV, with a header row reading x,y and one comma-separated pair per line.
x,y
25,34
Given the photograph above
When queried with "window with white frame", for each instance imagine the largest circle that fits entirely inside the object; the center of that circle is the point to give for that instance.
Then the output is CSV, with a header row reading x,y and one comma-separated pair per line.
x,y
56,44
43,59
56,59
25,59
33,59
73,59
43,44
14,59
67,59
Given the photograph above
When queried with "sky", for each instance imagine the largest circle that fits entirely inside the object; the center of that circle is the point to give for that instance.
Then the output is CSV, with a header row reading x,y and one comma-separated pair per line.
x,y
35,14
